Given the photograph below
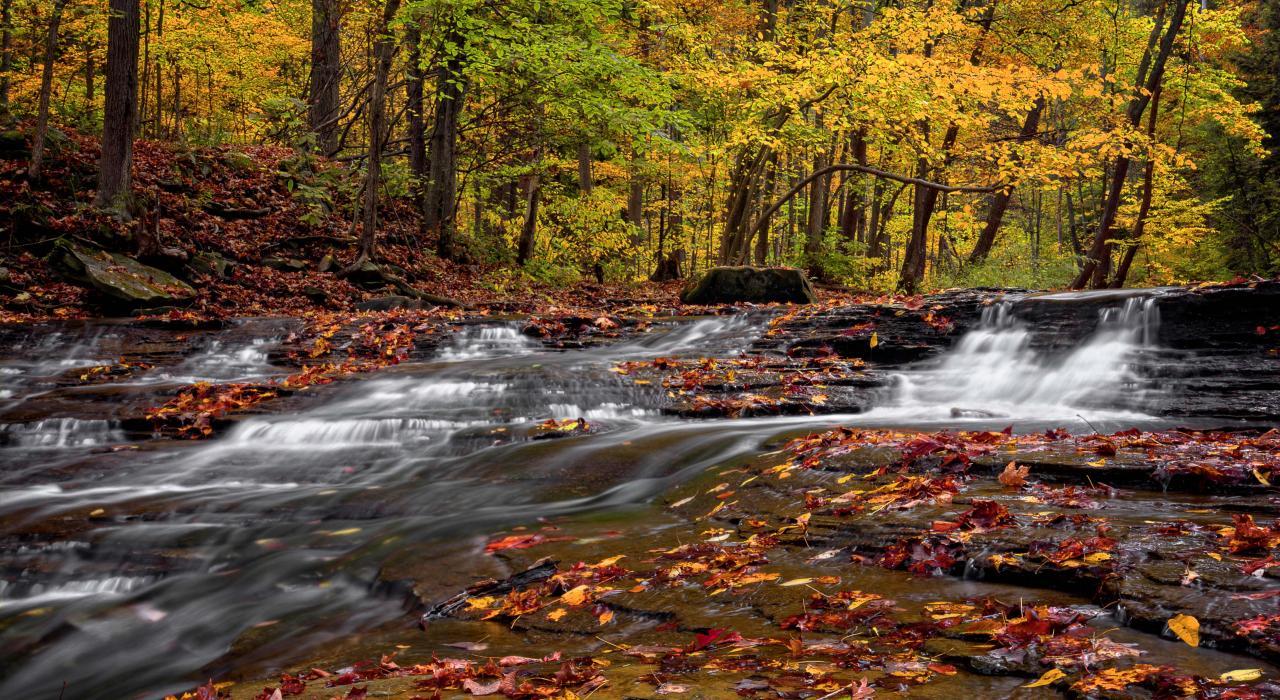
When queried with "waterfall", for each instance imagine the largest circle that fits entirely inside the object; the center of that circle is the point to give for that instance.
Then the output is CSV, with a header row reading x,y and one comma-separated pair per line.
x,y
996,371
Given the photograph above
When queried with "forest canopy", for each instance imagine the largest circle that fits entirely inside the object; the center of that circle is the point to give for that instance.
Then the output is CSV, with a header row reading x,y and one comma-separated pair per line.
x,y
908,144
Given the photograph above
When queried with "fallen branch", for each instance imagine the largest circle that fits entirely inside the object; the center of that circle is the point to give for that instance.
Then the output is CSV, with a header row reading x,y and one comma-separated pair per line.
x,y
235,213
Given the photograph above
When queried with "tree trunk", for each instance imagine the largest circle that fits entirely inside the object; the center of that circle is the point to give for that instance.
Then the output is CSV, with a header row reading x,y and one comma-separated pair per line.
x,y
442,178
415,90
115,166
6,49
853,217
533,193
46,90
816,224
584,169
1144,207
1094,272
326,74
90,77
1000,201
384,50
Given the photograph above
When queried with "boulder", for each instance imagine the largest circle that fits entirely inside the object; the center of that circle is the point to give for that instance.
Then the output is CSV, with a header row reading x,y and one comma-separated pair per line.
x,y
120,278
286,264
13,145
389,303
370,275
211,263
728,285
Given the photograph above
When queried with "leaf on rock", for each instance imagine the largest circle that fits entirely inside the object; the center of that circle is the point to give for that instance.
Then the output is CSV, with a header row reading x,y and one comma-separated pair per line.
x,y
1186,628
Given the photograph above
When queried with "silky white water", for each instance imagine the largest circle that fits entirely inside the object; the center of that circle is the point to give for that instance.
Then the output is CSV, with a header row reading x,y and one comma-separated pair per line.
x,y
995,371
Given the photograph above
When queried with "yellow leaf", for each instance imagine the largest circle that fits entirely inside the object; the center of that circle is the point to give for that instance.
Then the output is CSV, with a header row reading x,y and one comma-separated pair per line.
x,y
1242,675
875,339
1214,555
575,596
796,582
556,614
342,533
605,617
480,603
1261,479
1186,628
610,561
1053,675
1097,463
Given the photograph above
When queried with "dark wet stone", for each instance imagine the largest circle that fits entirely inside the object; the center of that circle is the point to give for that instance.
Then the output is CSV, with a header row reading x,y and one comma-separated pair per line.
x,y
730,285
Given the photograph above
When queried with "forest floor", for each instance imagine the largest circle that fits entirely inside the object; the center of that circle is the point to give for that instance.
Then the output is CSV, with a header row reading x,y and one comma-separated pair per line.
x,y
270,229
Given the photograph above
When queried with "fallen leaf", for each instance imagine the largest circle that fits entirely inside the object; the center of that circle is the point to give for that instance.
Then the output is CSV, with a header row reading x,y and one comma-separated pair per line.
x,y
1014,476
1051,676
1186,628
1241,675
471,686
575,596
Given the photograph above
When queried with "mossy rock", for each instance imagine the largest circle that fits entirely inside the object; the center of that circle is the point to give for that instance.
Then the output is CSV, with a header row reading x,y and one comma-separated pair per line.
x,y
121,279
729,285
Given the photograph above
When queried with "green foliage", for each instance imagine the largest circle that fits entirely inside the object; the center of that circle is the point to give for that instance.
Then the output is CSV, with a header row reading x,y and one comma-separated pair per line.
x,y
1009,268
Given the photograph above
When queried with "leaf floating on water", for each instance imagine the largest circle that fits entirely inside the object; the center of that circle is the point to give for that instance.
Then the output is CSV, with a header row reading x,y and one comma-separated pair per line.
x,y
671,688
1050,677
875,339
468,646
681,502
1242,675
344,532
480,603
796,582
556,614
1186,628
605,617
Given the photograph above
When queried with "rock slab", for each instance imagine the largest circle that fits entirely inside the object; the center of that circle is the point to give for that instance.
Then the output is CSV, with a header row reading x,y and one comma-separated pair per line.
x,y
729,285
120,278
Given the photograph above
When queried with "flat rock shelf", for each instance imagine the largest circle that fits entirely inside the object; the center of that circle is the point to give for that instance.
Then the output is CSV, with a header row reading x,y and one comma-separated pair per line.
x,y
990,492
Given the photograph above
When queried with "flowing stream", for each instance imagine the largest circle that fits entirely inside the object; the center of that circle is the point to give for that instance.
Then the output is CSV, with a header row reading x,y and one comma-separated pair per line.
x,y
285,520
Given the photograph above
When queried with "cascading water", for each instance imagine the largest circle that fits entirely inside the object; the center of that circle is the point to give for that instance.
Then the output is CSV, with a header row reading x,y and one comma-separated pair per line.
x,y
997,370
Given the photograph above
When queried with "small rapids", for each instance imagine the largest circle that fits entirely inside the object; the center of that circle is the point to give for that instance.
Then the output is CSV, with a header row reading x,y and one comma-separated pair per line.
x,y
284,521
1007,368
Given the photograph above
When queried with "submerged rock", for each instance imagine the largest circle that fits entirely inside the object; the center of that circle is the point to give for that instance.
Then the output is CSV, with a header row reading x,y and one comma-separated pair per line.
x,y
728,285
120,278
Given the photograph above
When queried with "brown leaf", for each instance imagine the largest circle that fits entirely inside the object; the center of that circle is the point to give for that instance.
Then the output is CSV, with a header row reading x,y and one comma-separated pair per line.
x,y
1014,476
